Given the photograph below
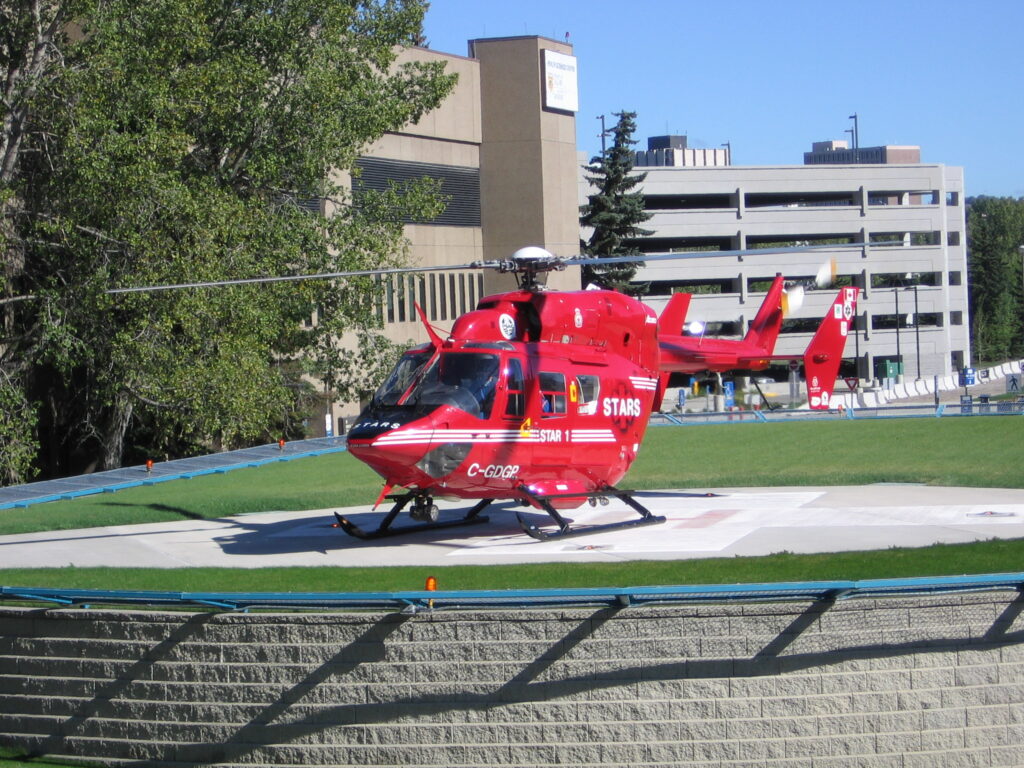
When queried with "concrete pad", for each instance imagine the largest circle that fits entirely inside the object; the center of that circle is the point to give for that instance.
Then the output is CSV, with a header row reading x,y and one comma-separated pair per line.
x,y
717,523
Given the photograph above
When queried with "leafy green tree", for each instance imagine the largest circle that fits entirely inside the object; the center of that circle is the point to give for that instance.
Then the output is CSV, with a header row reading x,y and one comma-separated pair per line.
x,y
614,212
184,141
995,234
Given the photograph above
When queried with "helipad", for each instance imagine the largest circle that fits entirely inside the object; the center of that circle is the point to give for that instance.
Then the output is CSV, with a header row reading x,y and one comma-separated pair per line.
x,y
721,522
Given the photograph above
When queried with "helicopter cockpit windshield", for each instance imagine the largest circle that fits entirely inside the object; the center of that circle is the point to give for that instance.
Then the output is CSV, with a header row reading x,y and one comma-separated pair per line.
x,y
465,380
401,377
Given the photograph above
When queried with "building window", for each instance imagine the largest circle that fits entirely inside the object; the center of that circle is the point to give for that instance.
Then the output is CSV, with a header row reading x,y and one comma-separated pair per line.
x,y
952,238
902,280
955,278
906,320
400,293
956,318
460,186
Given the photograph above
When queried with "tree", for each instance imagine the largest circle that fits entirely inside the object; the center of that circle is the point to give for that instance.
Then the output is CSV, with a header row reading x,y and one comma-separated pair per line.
x,y
180,141
614,212
995,234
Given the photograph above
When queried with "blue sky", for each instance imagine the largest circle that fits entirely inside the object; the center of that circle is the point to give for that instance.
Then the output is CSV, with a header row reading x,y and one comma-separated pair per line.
x,y
771,77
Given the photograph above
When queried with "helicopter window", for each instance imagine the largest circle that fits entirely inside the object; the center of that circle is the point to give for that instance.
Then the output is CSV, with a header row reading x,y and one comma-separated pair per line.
x,y
465,380
552,388
588,389
403,374
515,405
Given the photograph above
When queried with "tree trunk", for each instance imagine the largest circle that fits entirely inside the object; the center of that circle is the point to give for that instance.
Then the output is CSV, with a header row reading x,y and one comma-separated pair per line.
x,y
117,427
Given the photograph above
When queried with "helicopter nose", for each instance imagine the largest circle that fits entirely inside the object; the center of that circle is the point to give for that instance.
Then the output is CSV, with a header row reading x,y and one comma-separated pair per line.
x,y
393,462
408,456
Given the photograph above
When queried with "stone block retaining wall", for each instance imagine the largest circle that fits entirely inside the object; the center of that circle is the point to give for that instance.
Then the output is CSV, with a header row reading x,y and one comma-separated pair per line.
x,y
906,682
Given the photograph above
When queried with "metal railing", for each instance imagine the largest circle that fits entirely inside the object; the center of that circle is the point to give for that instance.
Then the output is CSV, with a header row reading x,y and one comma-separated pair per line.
x,y
522,598
179,469
945,410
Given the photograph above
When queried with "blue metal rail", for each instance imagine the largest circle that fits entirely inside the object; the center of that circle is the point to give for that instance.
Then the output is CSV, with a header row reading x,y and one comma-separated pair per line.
x,y
524,598
180,469
1005,408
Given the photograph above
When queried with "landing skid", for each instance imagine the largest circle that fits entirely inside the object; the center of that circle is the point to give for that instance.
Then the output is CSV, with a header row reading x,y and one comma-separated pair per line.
x,y
566,531
423,509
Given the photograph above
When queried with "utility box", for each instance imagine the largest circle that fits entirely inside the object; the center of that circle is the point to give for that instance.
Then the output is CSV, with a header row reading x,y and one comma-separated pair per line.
x,y
888,369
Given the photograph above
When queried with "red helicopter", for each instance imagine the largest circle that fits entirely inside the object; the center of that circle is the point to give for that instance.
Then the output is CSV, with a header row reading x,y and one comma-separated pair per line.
x,y
544,397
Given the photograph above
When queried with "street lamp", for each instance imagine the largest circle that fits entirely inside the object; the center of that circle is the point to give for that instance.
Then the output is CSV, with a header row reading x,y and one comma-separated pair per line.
x,y
917,330
603,135
899,355
917,323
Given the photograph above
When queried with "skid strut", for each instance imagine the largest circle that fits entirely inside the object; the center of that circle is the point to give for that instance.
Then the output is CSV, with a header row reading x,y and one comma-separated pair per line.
x,y
423,509
565,530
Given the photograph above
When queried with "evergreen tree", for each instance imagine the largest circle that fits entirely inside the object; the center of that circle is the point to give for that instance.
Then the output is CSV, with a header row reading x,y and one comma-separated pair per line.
x,y
615,211
995,233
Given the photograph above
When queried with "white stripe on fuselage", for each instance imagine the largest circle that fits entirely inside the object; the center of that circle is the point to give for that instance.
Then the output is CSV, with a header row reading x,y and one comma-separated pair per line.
x,y
421,436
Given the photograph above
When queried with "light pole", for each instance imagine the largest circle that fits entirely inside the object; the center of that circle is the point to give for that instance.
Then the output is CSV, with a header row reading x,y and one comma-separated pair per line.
x,y
899,355
917,331
899,321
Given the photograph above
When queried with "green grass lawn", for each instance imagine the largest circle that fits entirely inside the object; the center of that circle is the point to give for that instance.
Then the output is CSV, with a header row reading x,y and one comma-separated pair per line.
x,y
981,452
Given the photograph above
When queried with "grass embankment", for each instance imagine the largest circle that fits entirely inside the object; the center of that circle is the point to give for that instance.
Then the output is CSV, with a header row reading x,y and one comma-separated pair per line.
x,y
980,452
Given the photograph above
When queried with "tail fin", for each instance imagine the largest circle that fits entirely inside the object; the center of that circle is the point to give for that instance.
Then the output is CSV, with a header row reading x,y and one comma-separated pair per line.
x,y
825,352
674,315
670,323
764,329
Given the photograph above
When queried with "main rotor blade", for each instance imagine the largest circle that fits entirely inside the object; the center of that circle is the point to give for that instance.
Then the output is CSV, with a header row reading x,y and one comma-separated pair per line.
x,y
645,257
506,265
289,278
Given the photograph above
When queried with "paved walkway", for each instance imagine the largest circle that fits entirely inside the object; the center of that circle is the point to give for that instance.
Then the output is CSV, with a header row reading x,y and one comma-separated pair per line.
x,y
735,521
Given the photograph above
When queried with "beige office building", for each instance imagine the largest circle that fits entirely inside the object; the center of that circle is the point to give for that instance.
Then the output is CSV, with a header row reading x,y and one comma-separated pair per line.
x,y
503,146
